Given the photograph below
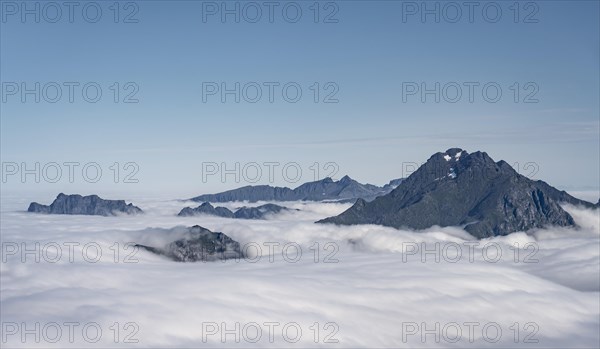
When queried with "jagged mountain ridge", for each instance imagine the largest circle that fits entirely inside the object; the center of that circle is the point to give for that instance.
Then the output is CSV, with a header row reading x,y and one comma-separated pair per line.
x,y
325,189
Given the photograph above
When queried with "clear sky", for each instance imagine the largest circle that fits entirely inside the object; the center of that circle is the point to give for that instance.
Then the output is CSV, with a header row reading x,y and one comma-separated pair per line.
x,y
367,55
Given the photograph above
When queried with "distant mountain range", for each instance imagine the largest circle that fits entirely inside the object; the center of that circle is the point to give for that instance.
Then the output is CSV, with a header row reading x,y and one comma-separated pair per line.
x,y
455,188
84,205
346,189
259,212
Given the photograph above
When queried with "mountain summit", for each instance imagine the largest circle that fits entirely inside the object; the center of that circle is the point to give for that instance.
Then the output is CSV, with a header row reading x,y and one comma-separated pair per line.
x,y
455,188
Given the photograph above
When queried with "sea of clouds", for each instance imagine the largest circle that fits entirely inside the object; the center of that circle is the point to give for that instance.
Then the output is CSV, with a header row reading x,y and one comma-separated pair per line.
x,y
76,281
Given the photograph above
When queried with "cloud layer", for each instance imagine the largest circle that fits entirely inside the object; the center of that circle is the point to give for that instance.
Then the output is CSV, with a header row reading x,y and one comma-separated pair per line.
x,y
362,286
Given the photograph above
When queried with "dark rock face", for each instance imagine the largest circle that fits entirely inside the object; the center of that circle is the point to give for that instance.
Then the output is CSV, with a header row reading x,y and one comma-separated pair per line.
x,y
206,208
456,188
199,244
84,205
326,189
258,212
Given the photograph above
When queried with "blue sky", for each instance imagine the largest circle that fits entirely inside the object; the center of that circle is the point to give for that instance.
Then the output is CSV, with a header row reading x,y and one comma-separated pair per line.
x,y
367,57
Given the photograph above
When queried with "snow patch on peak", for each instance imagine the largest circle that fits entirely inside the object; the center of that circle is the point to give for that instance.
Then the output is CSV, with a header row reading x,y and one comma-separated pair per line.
x,y
447,157
452,174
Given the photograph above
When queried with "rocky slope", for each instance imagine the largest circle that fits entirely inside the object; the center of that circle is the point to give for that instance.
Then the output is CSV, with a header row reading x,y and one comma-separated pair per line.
x,y
455,188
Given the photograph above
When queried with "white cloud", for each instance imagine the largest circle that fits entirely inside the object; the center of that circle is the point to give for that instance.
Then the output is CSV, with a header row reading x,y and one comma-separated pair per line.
x,y
372,293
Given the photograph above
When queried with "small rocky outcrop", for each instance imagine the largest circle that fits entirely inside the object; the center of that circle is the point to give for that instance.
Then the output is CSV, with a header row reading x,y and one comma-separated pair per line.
x,y
206,208
259,212
199,244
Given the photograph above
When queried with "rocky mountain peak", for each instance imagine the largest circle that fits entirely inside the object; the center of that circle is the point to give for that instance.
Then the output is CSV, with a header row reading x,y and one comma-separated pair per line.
x,y
455,153
455,188
346,179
